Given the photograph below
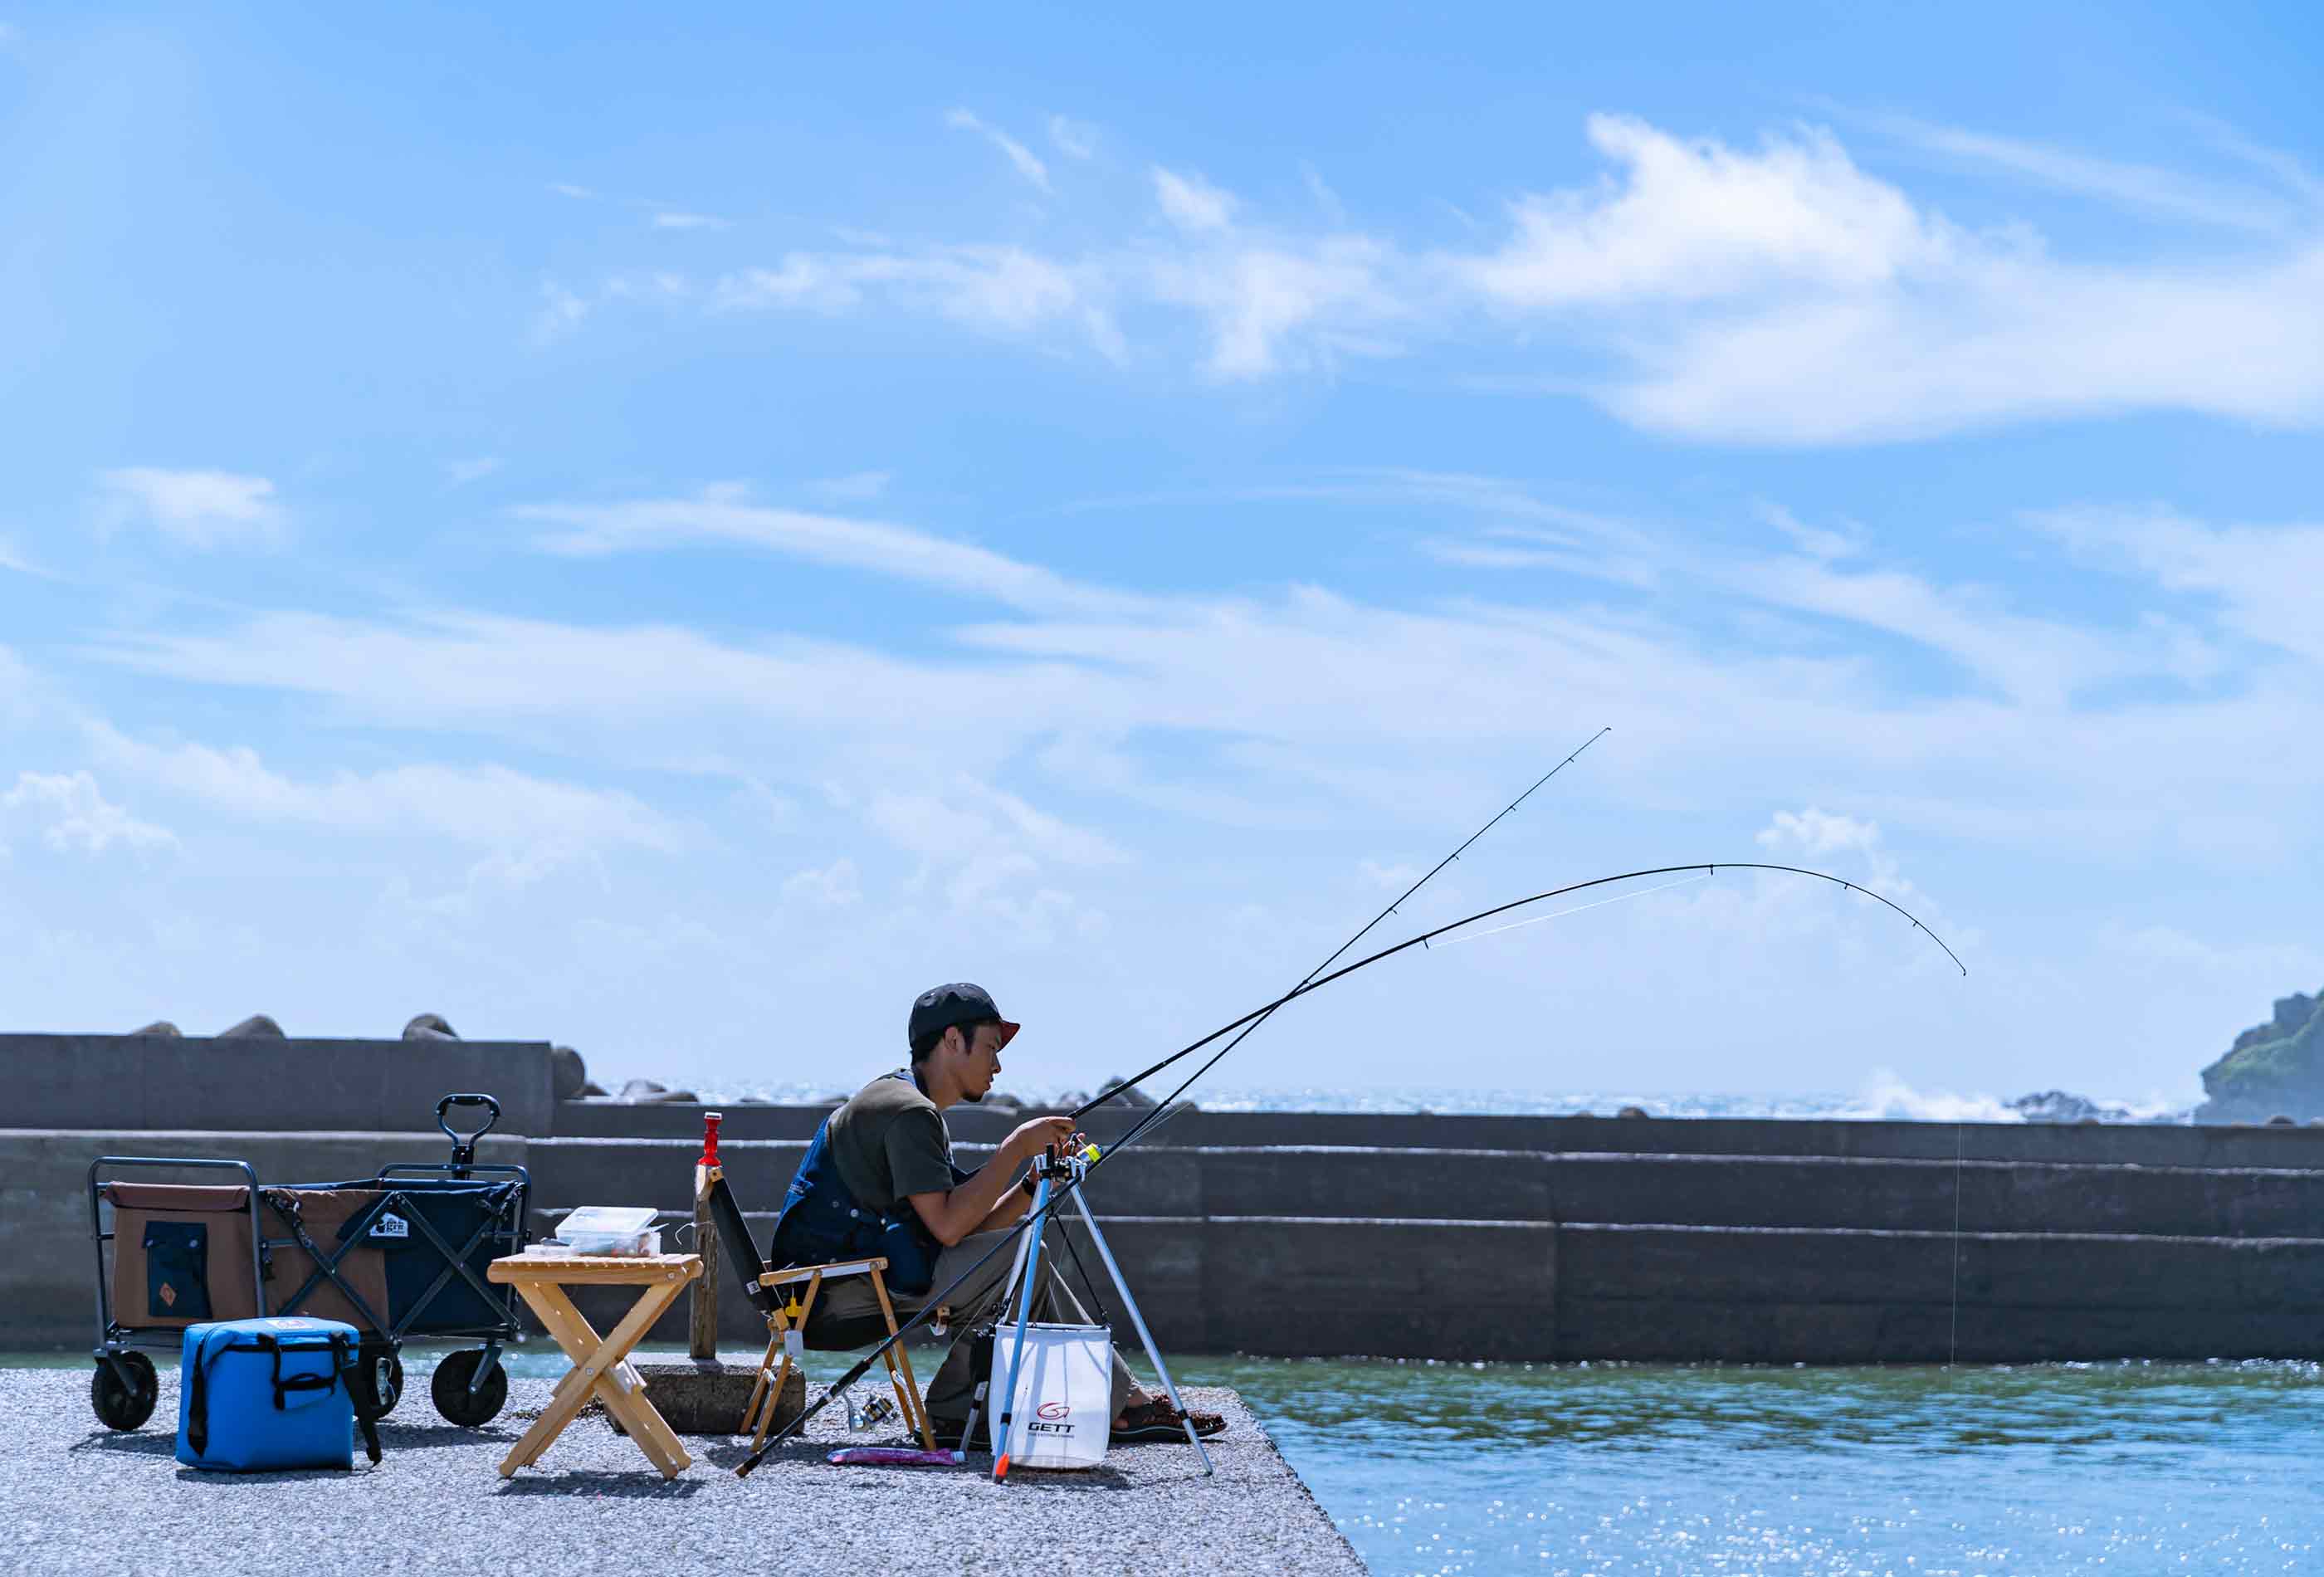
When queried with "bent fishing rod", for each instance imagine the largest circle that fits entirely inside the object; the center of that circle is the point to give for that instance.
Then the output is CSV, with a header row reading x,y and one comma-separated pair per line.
x,y
1125,1086
1165,1107
1423,939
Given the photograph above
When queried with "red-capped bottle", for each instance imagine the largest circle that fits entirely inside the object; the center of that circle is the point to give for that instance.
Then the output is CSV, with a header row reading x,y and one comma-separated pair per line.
x,y
709,1140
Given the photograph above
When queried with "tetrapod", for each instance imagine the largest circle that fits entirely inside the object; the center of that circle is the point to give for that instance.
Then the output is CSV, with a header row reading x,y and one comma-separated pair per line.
x,y
1051,1170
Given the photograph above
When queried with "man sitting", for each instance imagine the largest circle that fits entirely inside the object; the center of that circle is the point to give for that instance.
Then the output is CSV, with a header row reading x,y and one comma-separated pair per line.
x,y
880,1179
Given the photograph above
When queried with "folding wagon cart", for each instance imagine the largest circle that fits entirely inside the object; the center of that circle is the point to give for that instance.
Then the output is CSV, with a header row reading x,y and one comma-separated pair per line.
x,y
399,1255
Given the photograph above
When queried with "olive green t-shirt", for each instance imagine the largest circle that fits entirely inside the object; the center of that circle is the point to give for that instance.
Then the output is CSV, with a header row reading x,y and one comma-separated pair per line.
x,y
889,1141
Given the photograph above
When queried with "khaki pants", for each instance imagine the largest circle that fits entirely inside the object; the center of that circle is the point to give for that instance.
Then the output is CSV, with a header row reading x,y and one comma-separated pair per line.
x,y
975,1301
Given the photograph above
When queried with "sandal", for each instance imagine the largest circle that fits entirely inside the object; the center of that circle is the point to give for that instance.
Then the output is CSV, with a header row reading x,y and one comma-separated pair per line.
x,y
1156,1419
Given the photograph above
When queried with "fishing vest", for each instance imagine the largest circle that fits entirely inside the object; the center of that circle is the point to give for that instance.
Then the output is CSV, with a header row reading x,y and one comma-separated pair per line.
x,y
821,1221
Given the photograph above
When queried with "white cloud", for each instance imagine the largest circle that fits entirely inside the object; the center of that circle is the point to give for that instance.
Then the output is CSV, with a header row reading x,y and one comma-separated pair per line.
x,y
1001,289
1334,211
1191,203
1267,307
1698,220
833,886
674,220
592,530
479,805
2263,578
1813,831
855,488
72,814
462,471
2141,187
1074,139
1028,164
200,509
561,312
1770,294
566,188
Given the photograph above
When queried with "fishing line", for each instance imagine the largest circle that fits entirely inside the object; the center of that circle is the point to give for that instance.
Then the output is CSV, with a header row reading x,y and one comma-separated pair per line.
x,y
1360,935
1577,908
1168,1107
1059,1194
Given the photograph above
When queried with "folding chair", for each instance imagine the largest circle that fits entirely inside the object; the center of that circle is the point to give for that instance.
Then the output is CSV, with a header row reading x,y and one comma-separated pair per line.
x,y
788,1313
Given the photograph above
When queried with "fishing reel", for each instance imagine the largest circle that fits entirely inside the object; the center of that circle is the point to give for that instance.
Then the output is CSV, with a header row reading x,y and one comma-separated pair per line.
x,y
1069,1162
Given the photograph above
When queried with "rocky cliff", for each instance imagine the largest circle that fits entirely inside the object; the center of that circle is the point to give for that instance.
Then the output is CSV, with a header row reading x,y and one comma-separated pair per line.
x,y
2274,1069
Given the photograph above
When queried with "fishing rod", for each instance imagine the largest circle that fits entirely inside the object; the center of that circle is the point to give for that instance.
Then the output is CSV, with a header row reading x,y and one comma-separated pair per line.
x,y
1167,1106
1103,1096
1423,939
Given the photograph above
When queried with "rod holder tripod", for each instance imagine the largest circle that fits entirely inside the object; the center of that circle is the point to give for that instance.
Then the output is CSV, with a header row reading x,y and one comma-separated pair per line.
x,y
1052,1170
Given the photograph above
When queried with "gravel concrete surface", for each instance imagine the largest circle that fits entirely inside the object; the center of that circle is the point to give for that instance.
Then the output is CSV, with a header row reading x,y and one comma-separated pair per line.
x,y
77,1497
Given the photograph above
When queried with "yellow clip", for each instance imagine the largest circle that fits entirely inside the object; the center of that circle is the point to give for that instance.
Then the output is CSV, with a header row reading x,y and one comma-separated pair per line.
x,y
792,1312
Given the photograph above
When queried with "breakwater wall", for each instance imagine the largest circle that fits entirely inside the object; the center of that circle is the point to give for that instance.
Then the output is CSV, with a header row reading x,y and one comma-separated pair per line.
x,y
1462,1237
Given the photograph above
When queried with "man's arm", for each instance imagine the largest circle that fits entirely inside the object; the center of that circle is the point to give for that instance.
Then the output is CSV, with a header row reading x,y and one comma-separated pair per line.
x,y
982,1201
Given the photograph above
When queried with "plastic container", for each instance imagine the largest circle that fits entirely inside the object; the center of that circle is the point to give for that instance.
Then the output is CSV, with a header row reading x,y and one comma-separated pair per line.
x,y
610,1229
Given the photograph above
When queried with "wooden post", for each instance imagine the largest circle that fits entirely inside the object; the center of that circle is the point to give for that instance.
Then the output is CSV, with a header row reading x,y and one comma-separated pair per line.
x,y
702,1334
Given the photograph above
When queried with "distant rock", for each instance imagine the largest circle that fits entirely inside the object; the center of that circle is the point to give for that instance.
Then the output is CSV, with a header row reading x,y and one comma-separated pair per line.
x,y
429,1027
653,1093
593,1088
1631,1112
1001,1101
160,1026
257,1026
568,1075
1130,1097
2275,1068
2064,1106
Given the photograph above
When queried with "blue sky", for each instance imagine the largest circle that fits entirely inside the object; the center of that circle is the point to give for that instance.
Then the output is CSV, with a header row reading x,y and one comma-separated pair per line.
x,y
671,540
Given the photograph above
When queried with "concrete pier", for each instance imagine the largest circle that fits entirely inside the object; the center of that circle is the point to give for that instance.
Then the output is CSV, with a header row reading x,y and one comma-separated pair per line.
x,y
1316,1234
81,1498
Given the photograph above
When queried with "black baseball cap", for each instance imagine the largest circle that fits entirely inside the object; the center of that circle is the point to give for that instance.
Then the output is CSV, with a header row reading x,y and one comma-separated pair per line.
x,y
960,1003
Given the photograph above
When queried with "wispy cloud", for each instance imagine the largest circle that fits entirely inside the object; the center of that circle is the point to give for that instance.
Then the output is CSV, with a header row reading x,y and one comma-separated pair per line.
x,y
561,312
856,487
72,814
462,471
672,219
1028,164
566,189
1775,294
200,509
1074,139
1191,203
597,529
2143,188
489,805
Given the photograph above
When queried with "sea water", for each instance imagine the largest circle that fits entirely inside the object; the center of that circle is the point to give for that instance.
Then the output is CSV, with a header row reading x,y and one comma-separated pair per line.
x,y
1623,1469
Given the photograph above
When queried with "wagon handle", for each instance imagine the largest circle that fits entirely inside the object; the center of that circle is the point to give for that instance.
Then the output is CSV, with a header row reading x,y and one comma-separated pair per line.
x,y
463,1145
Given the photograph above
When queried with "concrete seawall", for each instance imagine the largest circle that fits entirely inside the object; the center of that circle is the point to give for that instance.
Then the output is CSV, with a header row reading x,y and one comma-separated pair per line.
x,y
1538,1238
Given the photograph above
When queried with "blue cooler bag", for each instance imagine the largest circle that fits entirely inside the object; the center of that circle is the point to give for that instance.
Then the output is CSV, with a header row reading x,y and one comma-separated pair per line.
x,y
255,1394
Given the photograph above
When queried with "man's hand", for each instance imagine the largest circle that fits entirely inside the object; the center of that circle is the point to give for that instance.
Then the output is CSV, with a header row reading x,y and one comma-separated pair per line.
x,y
1030,1138
974,1205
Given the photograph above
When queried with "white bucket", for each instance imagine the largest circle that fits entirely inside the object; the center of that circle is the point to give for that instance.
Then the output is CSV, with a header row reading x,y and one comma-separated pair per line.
x,y
1063,1409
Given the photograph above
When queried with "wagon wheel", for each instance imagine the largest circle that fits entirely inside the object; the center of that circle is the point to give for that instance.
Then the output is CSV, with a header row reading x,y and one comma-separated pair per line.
x,y
377,1384
120,1408
453,1398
